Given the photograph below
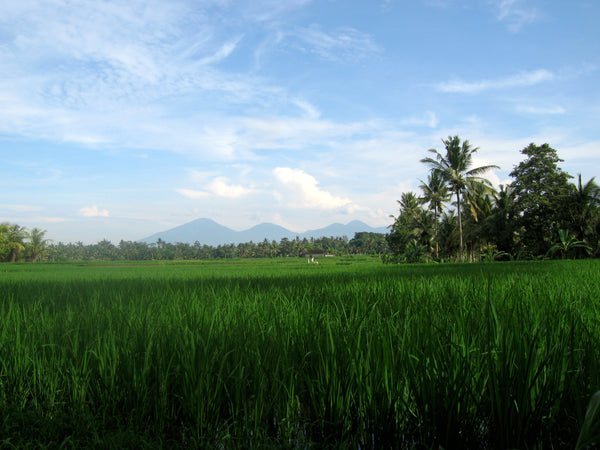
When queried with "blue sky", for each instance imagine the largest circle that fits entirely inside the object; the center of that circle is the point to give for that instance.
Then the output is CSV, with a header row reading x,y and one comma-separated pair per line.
x,y
122,119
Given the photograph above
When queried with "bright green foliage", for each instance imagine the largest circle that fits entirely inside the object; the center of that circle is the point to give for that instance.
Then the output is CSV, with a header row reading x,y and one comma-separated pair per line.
x,y
567,244
283,354
12,243
541,191
455,168
435,195
412,232
584,211
38,245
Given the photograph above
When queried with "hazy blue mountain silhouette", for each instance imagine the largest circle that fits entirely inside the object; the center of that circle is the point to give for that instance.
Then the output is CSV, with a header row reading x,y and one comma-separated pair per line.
x,y
209,232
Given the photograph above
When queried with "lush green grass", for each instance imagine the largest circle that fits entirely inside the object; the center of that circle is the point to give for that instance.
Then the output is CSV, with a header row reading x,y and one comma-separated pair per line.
x,y
286,354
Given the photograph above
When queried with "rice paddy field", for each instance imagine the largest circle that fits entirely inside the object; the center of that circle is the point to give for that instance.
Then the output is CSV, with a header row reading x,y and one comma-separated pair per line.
x,y
349,353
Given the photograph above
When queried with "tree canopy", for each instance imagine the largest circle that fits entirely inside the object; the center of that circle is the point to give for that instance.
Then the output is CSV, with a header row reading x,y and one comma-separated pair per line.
x,y
539,214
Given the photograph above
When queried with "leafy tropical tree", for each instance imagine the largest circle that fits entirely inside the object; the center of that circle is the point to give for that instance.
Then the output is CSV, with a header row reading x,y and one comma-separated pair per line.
x,y
435,194
448,234
567,243
455,168
38,245
12,238
412,224
403,228
500,226
584,208
541,196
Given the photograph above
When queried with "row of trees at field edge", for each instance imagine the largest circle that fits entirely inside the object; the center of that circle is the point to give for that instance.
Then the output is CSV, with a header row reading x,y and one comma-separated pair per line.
x,y
458,215
17,244
541,213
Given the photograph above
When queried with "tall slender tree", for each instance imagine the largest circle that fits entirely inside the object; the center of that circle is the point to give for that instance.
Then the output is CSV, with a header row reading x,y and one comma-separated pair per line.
x,y
435,194
455,168
37,245
584,205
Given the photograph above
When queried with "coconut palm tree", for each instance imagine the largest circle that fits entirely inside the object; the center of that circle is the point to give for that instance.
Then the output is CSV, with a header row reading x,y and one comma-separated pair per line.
x,y
435,193
37,244
584,205
455,168
12,240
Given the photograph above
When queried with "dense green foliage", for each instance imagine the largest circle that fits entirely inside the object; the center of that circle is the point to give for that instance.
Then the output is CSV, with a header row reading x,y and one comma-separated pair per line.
x,y
31,246
540,214
255,353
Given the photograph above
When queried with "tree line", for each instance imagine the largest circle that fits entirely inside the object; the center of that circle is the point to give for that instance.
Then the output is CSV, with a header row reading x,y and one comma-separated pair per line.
x,y
18,244
458,215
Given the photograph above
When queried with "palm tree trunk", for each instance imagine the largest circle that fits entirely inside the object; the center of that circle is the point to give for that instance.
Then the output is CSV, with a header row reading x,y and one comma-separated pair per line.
x,y
460,230
435,231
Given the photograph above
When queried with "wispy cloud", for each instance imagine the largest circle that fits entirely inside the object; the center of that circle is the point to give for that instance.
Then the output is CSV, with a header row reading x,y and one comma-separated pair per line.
x,y
93,211
516,13
520,80
428,119
541,110
344,45
19,208
99,73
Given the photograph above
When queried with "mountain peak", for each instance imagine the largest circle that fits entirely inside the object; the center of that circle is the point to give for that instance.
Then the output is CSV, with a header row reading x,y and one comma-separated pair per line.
x,y
207,231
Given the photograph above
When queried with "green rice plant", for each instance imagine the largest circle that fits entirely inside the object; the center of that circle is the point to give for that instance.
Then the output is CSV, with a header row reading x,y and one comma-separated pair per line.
x,y
239,355
589,436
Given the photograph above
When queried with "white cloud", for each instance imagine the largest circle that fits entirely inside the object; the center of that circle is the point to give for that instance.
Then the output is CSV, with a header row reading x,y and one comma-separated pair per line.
x,y
541,110
19,208
93,211
193,194
344,45
301,190
222,188
515,13
49,219
428,119
219,186
520,80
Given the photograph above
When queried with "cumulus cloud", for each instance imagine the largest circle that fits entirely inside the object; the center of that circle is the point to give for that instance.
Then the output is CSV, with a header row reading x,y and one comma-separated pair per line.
x,y
193,194
302,190
220,187
93,211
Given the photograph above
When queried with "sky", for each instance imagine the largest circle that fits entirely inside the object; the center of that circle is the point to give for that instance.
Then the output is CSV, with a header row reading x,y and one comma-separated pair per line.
x,y
122,119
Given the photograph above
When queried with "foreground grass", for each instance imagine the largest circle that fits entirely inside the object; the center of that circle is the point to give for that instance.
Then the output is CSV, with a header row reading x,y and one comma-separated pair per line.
x,y
285,354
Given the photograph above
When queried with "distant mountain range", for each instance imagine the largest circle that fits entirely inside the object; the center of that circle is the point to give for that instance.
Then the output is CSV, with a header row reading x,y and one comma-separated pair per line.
x,y
209,232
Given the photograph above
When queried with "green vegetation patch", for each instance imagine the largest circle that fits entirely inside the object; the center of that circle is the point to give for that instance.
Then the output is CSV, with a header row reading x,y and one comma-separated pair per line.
x,y
298,355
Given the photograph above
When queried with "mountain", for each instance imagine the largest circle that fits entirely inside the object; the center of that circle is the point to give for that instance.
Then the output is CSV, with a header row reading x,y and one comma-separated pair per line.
x,y
209,232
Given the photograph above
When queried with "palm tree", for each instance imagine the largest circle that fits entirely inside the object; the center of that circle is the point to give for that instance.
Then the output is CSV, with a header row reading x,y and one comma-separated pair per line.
x,y
455,169
37,244
435,193
12,239
584,203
